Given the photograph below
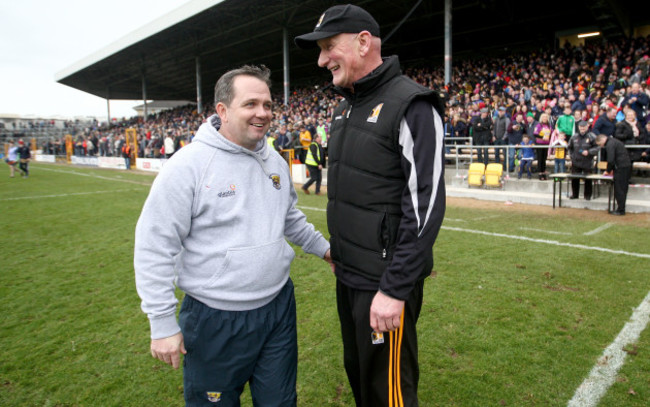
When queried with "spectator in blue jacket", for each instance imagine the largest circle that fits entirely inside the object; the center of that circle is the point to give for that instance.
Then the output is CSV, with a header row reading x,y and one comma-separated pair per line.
x,y
637,100
515,134
527,156
606,123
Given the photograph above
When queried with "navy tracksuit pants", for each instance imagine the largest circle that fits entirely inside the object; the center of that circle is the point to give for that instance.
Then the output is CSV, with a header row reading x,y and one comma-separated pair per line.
x,y
227,349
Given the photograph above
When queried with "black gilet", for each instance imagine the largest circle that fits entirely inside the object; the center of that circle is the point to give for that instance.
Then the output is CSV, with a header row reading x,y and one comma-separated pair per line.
x,y
365,179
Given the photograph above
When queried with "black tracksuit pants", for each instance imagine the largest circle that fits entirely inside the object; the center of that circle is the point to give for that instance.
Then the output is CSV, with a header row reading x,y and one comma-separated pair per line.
x,y
381,374
621,185
575,183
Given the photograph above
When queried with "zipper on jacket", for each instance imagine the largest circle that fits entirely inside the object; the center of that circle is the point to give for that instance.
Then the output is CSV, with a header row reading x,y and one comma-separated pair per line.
x,y
384,236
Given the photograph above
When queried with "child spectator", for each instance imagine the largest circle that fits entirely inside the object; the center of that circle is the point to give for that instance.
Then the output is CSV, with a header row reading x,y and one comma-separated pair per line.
x,y
560,146
527,156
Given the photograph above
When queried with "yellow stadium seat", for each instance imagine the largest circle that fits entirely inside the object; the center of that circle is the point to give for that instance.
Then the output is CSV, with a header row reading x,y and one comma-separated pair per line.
x,y
475,175
494,176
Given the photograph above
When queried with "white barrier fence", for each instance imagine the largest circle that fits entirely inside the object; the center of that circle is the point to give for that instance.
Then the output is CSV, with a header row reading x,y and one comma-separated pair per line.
x,y
299,171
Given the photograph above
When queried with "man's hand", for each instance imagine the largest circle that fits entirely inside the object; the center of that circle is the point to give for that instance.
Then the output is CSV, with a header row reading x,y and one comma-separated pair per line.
x,y
585,153
385,313
328,258
169,349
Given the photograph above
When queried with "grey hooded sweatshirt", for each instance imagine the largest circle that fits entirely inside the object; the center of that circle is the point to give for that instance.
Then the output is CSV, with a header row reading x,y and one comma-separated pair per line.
x,y
215,223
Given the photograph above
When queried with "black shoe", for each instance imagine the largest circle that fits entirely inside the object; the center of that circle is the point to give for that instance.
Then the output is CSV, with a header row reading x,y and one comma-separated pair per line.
x,y
618,213
573,197
587,198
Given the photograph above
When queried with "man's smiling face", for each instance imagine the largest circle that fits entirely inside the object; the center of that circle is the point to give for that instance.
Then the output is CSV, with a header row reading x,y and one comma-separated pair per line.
x,y
247,119
340,55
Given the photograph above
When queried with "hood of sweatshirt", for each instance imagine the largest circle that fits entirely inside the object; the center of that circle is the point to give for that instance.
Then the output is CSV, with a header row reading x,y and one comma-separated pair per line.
x,y
209,134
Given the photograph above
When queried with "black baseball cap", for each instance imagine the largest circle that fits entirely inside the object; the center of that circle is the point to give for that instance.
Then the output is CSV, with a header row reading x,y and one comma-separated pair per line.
x,y
336,20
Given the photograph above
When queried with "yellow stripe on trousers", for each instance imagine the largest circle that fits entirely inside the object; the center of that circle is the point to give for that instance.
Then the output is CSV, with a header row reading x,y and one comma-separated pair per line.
x,y
394,378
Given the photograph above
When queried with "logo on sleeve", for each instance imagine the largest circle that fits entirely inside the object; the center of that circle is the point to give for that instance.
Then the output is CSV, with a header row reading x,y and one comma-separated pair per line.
x,y
374,115
275,178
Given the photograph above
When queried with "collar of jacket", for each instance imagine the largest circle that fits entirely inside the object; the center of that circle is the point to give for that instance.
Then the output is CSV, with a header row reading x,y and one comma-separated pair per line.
x,y
382,74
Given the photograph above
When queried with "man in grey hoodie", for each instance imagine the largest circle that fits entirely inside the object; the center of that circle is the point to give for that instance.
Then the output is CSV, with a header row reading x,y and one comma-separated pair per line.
x,y
215,225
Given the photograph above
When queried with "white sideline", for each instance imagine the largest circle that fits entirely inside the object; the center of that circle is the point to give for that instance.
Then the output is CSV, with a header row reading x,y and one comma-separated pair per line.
x,y
529,239
148,184
603,374
550,242
64,195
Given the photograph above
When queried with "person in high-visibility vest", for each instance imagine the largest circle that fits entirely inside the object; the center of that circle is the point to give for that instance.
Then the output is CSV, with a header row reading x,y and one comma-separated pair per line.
x,y
315,161
271,141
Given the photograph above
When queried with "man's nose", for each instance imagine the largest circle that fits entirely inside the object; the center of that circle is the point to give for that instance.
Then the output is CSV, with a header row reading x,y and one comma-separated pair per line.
x,y
322,59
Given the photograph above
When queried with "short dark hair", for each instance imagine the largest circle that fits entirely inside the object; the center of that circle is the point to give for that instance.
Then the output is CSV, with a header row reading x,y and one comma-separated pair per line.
x,y
601,137
223,90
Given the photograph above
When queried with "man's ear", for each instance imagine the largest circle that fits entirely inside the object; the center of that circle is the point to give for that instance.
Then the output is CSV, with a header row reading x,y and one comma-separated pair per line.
x,y
222,111
365,39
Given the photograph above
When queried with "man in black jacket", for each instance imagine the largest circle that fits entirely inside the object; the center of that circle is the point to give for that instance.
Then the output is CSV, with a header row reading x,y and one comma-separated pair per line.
x,y
619,165
481,133
583,149
386,203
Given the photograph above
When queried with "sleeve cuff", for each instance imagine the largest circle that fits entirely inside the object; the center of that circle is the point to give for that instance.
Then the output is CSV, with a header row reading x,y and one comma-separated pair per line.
x,y
319,247
164,327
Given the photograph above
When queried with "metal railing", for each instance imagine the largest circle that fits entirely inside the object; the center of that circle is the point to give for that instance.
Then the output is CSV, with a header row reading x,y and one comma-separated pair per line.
x,y
473,149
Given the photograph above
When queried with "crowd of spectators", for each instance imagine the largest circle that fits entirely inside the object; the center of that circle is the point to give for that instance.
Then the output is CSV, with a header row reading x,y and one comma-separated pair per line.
x,y
532,91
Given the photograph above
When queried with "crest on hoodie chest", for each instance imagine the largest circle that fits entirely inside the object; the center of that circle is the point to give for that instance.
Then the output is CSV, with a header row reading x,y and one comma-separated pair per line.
x,y
275,179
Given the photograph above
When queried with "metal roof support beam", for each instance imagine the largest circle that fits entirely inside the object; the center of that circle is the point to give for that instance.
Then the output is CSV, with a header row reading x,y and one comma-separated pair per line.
x,y
285,63
108,104
199,99
622,16
406,17
447,42
144,94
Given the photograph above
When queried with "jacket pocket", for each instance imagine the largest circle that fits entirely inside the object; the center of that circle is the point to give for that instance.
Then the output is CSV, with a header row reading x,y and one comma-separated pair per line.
x,y
253,268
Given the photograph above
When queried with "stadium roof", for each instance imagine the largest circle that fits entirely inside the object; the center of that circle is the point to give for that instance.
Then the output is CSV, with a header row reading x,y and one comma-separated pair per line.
x,y
229,33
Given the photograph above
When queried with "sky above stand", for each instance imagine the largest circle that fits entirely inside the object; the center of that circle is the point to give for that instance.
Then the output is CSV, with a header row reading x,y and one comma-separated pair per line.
x,y
39,38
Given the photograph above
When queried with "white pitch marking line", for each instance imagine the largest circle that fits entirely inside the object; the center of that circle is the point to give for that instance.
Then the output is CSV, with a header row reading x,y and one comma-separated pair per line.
x,y
550,242
93,176
604,372
599,229
310,208
64,195
552,232
529,239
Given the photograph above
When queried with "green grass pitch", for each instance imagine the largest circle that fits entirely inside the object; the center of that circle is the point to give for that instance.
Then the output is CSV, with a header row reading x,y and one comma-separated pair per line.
x,y
505,321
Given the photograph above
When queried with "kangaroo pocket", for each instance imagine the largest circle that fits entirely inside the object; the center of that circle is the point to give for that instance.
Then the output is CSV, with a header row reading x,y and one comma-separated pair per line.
x,y
250,273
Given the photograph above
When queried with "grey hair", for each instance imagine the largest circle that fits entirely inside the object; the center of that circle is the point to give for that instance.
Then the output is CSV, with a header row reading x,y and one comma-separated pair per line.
x,y
223,90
